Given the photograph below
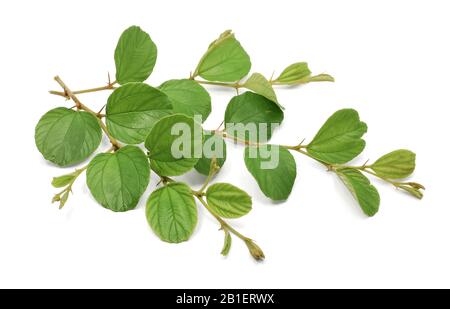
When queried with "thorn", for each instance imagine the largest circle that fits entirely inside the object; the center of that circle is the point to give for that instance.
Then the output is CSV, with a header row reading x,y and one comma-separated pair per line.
x,y
220,125
365,163
271,76
301,143
109,79
101,109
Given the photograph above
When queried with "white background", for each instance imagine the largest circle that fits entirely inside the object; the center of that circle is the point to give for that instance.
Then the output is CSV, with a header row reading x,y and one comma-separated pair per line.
x,y
391,63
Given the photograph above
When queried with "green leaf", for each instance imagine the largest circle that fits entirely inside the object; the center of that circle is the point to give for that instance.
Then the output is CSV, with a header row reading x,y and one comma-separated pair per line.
x,y
294,73
228,201
224,61
135,56
259,84
250,116
361,189
66,137
339,140
396,164
117,180
213,146
226,244
320,78
299,73
273,168
188,97
173,168
171,212
133,109
65,180
176,131
62,181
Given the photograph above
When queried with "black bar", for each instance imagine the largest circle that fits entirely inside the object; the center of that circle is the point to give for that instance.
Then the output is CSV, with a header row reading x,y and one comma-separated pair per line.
x,y
207,298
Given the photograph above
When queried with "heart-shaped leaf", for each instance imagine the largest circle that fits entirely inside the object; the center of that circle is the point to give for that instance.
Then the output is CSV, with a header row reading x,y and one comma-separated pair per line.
x,y
339,140
66,137
171,212
224,61
251,116
273,168
133,109
117,180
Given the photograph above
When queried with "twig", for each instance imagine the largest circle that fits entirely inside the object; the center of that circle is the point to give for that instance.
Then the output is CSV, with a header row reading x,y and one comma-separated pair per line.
x,y
81,106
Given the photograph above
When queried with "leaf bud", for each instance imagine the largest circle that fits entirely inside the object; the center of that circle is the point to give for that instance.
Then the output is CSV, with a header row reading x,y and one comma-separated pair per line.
x,y
255,250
